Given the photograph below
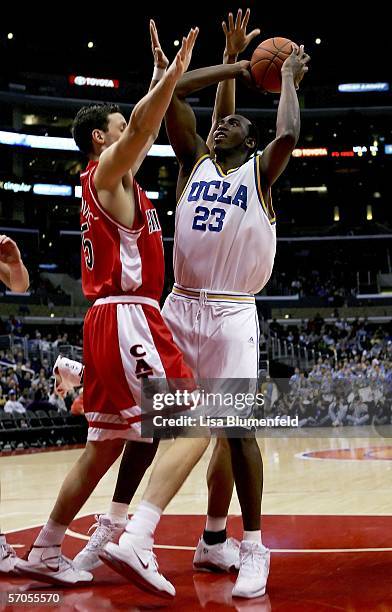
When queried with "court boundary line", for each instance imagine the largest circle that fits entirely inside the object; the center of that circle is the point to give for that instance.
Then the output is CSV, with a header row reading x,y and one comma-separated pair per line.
x,y
304,455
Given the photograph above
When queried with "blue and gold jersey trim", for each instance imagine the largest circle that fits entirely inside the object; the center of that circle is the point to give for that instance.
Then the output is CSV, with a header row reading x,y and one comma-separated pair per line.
x,y
221,172
195,167
268,209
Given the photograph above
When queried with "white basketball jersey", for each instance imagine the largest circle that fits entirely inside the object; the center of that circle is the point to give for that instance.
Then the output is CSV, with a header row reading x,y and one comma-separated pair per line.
x,y
225,237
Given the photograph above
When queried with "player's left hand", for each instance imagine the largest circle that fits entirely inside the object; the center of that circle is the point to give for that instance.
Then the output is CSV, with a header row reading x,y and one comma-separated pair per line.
x,y
9,252
245,76
236,37
295,64
183,58
160,59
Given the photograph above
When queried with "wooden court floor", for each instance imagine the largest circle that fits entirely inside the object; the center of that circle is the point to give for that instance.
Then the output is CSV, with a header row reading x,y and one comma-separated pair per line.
x,y
326,517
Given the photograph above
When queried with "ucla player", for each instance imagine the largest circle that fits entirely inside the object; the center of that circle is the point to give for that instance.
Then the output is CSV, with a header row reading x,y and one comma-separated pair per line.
x,y
223,552
224,250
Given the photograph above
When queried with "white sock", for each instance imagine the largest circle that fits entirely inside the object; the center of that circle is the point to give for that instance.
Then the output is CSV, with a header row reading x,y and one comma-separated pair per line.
x,y
216,523
51,534
118,513
144,522
252,536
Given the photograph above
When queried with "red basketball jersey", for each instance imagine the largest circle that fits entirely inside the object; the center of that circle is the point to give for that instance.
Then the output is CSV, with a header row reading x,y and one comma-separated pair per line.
x,y
115,259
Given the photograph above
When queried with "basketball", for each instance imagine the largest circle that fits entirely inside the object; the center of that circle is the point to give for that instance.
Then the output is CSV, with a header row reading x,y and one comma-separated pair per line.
x,y
267,61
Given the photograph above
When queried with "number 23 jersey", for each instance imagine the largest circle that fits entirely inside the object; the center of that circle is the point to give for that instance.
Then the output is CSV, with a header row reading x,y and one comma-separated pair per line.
x,y
225,238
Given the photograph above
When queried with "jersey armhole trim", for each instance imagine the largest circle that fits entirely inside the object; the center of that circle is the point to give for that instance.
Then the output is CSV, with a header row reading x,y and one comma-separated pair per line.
x,y
108,215
195,167
270,213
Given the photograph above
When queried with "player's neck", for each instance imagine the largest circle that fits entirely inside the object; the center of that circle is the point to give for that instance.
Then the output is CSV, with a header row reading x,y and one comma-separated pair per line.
x,y
230,159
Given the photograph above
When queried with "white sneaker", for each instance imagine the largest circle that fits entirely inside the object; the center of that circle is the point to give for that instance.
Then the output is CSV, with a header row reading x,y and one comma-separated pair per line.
x,y
49,565
138,565
8,557
68,374
223,557
106,531
254,568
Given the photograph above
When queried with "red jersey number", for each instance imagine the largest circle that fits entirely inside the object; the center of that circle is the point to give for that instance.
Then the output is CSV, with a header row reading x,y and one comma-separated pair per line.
x,y
87,247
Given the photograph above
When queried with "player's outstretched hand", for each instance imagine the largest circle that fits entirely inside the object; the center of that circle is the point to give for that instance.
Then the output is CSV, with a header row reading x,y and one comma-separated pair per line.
x,y
160,59
9,252
236,37
296,64
183,58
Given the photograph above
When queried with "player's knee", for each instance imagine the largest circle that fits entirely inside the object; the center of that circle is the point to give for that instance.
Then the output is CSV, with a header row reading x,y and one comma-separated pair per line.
x,y
102,453
244,446
222,444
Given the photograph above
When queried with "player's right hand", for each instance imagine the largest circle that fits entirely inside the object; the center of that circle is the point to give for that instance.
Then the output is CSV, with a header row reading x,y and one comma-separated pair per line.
x,y
183,58
295,64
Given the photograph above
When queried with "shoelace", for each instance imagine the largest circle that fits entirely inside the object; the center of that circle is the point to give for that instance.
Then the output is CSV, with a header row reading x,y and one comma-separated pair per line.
x,y
154,561
102,533
232,543
7,551
252,560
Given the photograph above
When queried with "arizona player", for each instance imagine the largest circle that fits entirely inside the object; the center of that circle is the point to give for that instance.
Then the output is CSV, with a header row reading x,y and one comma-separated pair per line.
x,y
14,275
223,253
125,337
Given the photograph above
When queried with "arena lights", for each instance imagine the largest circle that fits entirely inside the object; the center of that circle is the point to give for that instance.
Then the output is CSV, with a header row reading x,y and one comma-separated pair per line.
x,y
52,190
37,188
362,87
388,149
314,152
65,144
37,142
83,81
153,195
320,189
361,150
15,187
342,154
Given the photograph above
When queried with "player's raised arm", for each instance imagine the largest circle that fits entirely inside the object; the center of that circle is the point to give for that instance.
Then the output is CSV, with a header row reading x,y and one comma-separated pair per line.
x,y
161,64
180,118
139,134
277,154
13,273
237,41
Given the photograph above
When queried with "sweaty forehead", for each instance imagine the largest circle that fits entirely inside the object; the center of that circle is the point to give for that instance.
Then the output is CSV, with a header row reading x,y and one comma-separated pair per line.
x,y
243,120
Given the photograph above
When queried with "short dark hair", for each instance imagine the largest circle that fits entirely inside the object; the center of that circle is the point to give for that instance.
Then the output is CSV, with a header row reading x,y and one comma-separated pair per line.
x,y
253,132
89,118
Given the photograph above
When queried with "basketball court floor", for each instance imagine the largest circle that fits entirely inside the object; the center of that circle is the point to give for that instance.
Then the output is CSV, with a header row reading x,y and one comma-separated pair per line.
x,y
327,517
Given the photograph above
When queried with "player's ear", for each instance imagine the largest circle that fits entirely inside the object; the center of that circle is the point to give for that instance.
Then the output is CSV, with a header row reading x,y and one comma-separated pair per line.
x,y
250,143
98,137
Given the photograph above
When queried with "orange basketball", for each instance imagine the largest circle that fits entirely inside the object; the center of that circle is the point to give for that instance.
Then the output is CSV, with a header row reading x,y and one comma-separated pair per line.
x,y
267,61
